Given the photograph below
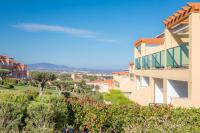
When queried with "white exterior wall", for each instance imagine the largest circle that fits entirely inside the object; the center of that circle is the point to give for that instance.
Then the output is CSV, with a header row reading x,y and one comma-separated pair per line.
x,y
103,88
125,84
127,94
153,48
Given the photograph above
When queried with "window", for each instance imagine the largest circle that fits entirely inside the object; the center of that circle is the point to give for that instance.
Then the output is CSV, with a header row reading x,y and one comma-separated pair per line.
x,y
125,76
144,81
176,89
132,77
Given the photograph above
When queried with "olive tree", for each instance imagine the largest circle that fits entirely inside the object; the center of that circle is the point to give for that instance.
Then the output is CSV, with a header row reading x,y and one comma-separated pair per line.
x,y
42,78
60,86
65,77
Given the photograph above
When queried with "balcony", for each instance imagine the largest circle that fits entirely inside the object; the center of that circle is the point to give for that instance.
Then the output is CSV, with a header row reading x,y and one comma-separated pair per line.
x,y
177,57
153,61
138,63
6,66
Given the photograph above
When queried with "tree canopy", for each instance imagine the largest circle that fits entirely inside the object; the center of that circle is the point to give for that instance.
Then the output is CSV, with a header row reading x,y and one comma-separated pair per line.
x,y
42,78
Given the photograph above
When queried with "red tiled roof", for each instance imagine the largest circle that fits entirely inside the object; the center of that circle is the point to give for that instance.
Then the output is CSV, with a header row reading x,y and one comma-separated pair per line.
x,y
149,41
121,73
109,81
96,81
4,56
181,15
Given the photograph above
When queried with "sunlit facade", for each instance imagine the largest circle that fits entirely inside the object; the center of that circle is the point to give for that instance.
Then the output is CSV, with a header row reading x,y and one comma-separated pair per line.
x,y
167,67
17,70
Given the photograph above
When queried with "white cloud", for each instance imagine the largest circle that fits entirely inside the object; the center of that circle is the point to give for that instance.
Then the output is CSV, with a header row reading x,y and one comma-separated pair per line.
x,y
34,27
54,28
105,40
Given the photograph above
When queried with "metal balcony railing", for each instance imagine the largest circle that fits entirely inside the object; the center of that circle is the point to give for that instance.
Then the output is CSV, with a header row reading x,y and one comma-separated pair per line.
x,y
138,63
155,60
177,57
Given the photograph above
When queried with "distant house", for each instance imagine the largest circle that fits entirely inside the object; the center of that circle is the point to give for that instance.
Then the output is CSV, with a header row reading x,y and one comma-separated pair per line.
x,y
76,77
17,70
104,85
123,82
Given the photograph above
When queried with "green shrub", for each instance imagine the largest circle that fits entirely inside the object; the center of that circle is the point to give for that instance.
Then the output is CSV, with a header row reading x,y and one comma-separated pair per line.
x,y
33,83
22,82
164,119
10,86
21,97
1,82
94,116
25,111
10,117
121,116
116,97
99,117
40,117
98,97
66,94
8,81
47,114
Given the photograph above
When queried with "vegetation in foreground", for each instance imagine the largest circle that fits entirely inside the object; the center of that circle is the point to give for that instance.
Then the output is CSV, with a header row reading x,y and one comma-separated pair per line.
x,y
26,111
62,103
116,97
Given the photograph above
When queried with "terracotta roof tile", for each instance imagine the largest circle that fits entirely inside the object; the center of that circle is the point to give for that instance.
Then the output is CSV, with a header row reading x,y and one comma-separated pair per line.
x,y
109,82
121,73
149,41
182,14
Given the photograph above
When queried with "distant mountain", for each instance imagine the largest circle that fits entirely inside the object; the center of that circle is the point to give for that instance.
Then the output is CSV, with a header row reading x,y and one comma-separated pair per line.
x,y
47,66
62,68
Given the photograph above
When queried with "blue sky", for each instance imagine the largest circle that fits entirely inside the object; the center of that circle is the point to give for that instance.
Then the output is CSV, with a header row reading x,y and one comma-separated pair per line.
x,y
80,33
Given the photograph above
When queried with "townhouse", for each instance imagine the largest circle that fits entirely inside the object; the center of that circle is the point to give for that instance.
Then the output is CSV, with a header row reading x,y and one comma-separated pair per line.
x,y
124,81
167,67
17,70
104,85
